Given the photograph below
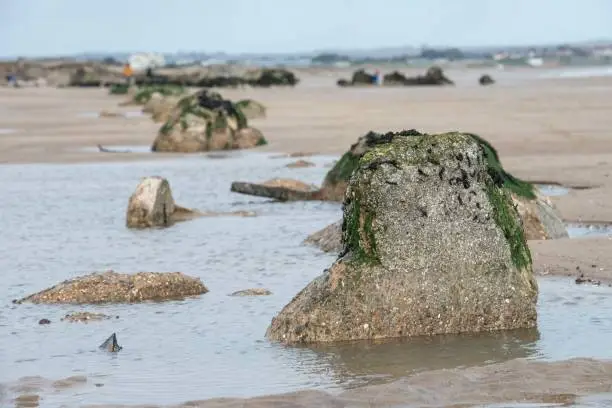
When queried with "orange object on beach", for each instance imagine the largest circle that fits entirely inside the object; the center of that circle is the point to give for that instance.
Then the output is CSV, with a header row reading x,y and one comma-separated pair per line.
x,y
127,70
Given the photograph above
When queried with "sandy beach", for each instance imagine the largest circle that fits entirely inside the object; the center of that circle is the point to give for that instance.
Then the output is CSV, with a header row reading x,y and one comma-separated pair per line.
x,y
546,130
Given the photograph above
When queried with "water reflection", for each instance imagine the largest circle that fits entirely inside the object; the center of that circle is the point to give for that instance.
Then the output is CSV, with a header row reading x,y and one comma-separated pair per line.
x,y
361,362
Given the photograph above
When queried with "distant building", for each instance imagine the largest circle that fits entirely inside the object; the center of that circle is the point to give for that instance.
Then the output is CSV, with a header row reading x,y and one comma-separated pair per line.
x,y
142,61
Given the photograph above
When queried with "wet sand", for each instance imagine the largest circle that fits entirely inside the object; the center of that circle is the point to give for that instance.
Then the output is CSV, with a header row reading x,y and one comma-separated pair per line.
x,y
545,130
548,130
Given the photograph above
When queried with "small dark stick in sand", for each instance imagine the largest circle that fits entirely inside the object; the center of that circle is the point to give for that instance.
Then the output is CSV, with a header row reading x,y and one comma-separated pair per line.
x,y
111,344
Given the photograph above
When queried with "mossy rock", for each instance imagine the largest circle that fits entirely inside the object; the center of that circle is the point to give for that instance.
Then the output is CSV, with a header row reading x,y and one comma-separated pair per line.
x,y
432,245
206,121
338,177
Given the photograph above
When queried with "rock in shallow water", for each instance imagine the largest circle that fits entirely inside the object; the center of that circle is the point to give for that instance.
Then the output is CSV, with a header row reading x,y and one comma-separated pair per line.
x,y
152,205
432,244
113,287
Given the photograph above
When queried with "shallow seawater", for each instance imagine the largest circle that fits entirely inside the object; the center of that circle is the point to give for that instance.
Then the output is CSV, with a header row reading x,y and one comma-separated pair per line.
x,y
120,149
7,131
96,115
553,190
62,221
578,230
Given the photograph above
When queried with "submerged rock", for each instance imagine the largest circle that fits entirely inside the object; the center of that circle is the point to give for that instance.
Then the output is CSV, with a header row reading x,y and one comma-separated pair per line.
x,y
113,287
152,205
328,239
252,292
111,345
85,317
432,245
300,164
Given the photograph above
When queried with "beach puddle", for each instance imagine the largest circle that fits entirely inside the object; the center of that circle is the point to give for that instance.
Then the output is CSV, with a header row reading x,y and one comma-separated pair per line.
x,y
583,230
8,131
214,345
111,114
553,190
118,149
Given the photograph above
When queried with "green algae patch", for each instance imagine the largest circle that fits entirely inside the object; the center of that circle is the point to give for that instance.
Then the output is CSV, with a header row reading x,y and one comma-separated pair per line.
x,y
506,219
499,175
342,171
358,232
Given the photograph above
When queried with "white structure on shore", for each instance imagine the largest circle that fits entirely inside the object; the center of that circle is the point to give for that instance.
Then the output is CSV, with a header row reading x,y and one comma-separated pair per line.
x,y
142,61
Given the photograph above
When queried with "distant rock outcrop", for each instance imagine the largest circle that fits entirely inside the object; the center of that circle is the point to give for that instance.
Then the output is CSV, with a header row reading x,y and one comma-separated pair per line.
x,y
433,76
113,287
486,80
432,245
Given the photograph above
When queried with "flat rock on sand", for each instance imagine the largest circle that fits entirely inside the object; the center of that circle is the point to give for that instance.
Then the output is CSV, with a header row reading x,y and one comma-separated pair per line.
x,y
113,287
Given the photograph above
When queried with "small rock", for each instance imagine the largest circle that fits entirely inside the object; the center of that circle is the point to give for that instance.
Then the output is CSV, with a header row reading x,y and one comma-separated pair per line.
x,y
85,317
300,164
111,344
152,205
44,321
252,292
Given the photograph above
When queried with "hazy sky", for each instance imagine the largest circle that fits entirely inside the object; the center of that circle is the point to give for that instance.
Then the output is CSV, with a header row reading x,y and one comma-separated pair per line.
x,y
50,27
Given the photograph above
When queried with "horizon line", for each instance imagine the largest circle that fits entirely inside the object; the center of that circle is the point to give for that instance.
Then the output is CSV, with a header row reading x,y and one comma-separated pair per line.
x,y
338,50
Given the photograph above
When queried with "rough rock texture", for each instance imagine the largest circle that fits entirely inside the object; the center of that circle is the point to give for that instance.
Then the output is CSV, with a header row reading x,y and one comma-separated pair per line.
x,y
113,287
432,244
541,220
300,164
152,205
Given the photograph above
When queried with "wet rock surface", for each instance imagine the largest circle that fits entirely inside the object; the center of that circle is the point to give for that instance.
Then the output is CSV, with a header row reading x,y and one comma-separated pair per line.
x,y
328,239
413,198
152,205
252,292
300,164
113,287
